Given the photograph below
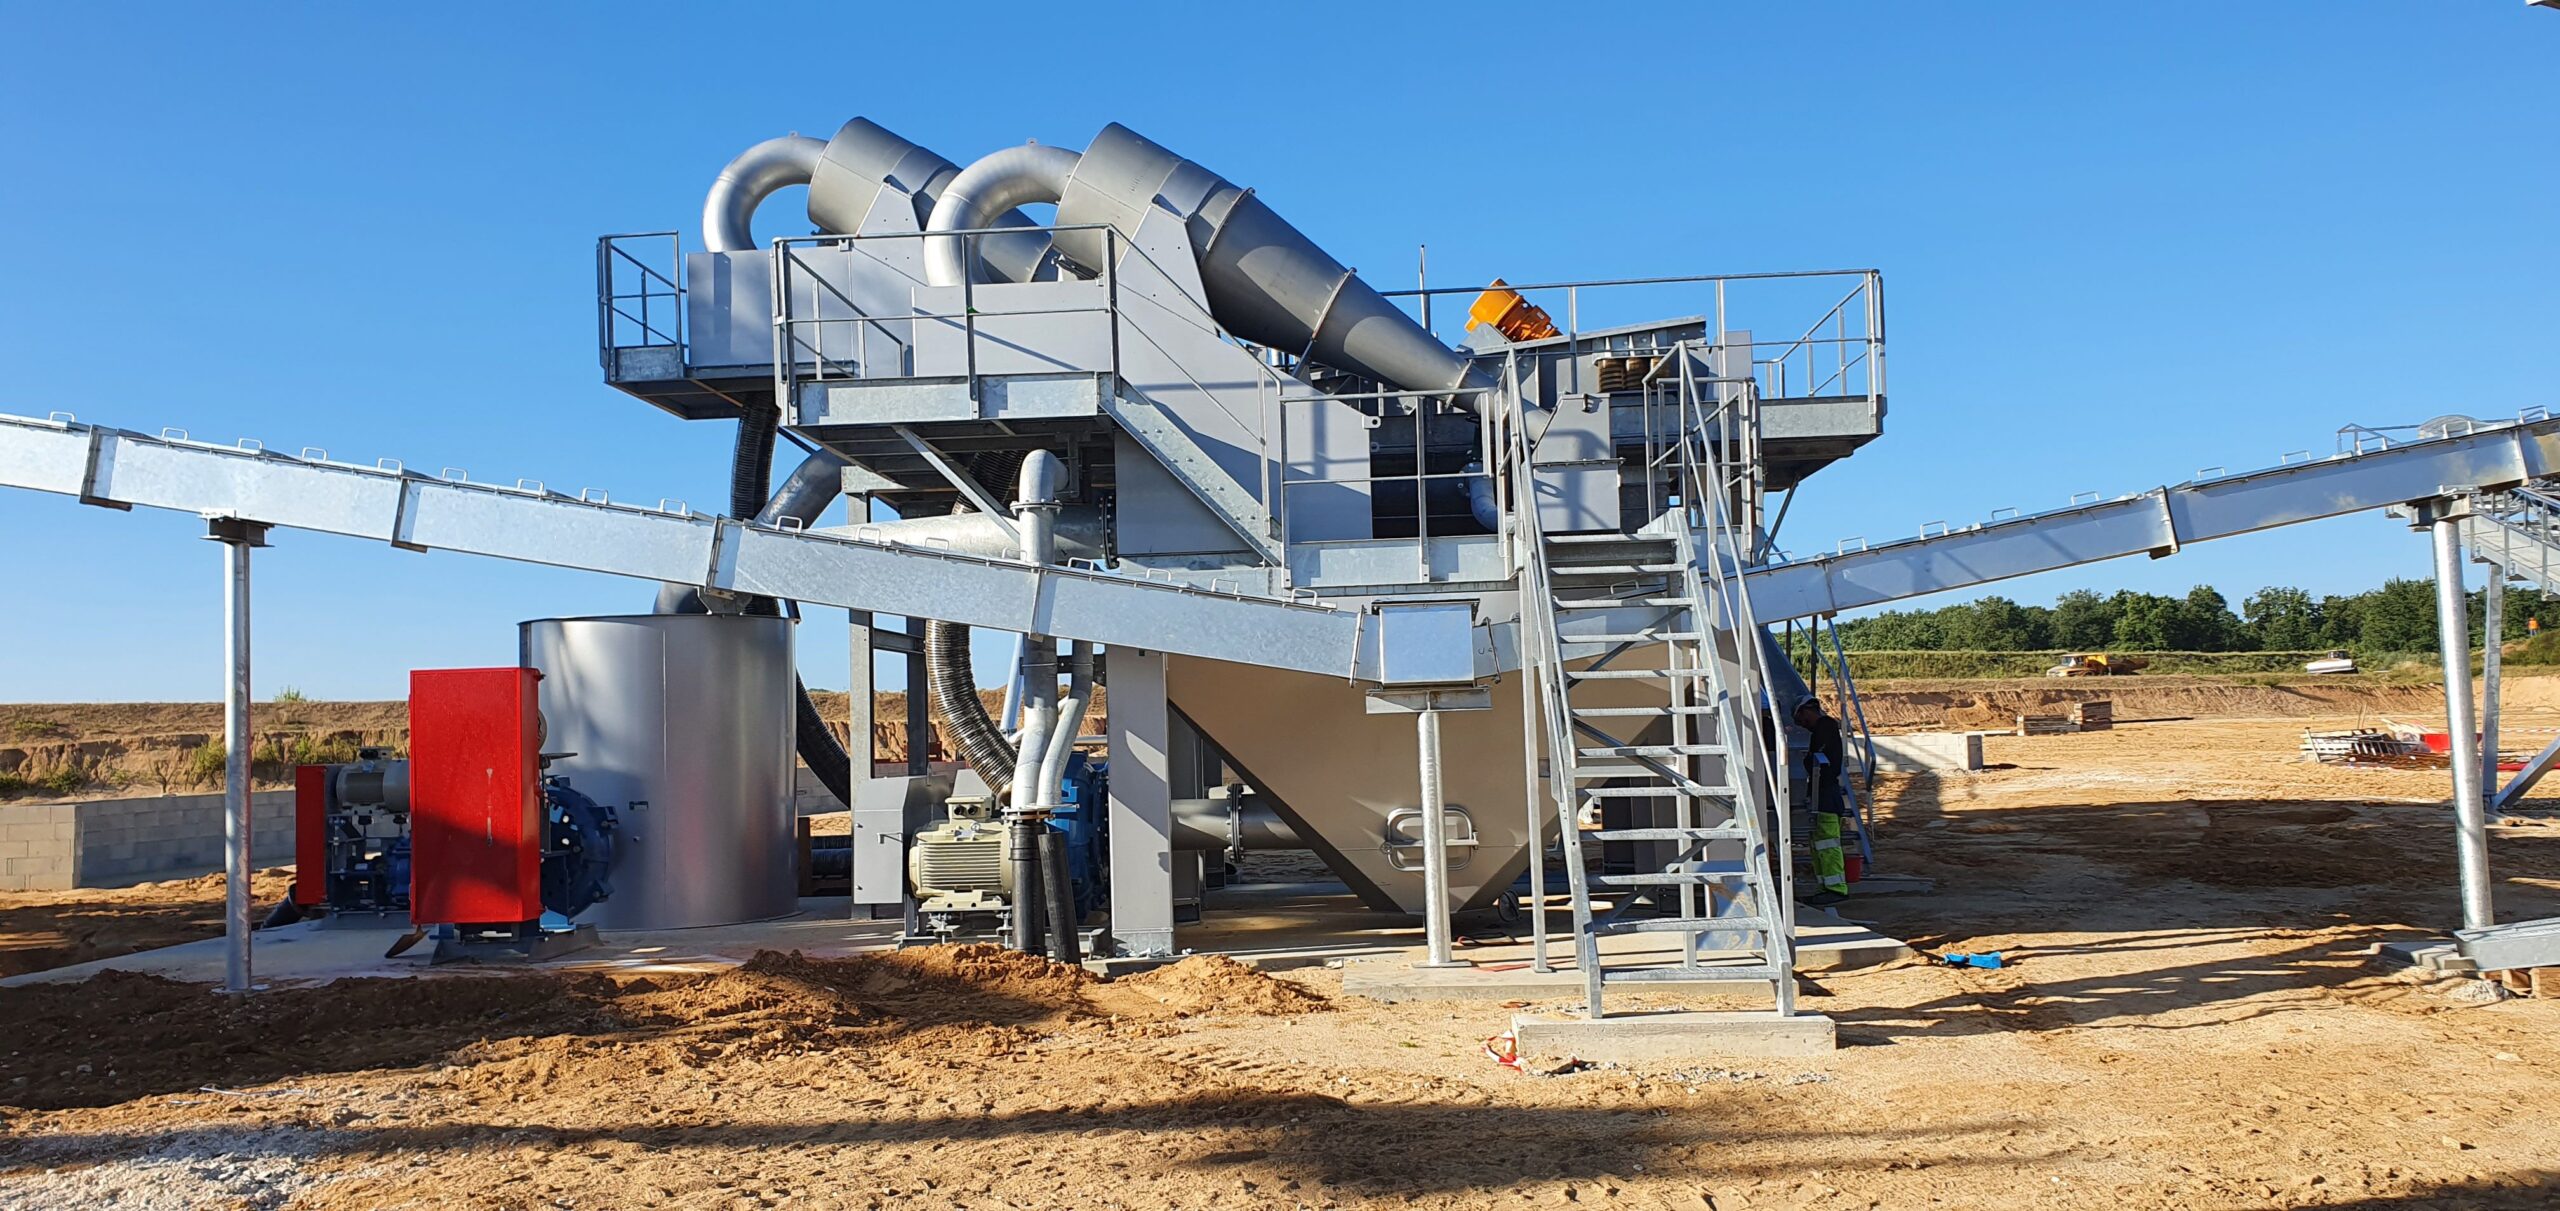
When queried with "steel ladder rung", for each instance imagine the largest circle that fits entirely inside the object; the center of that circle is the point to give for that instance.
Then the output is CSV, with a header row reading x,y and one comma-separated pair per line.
x,y
1752,973
1686,925
1651,750
1711,832
1589,540
1669,878
1686,790
1614,569
1635,674
1613,603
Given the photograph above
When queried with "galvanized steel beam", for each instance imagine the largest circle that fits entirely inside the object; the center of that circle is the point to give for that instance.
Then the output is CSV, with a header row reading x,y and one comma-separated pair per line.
x,y
2158,522
668,543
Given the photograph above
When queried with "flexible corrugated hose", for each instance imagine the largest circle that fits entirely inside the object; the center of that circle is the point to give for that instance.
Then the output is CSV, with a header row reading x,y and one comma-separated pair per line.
x,y
954,678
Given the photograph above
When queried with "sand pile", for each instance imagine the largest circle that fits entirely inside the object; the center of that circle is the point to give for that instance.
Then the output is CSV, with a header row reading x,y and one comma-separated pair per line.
x,y
122,1035
1218,984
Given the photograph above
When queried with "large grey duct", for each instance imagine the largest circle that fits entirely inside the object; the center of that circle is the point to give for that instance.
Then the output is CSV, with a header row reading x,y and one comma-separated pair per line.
x,y
1080,532
845,175
1267,282
862,158
983,192
758,173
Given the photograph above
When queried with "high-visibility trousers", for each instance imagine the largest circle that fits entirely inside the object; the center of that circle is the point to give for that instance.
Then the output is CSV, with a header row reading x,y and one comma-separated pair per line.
x,y
1830,861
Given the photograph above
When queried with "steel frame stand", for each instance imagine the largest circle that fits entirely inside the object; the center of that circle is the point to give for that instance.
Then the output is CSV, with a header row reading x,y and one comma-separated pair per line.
x,y
2471,830
237,538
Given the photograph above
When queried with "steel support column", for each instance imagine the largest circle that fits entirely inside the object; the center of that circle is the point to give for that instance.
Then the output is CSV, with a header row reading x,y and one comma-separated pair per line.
x,y
919,704
2493,625
1536,901
237,538
2453,628
1141,827
1435,846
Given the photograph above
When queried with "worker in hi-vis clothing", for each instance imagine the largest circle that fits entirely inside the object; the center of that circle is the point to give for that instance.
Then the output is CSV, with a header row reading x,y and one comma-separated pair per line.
x,y
1822,760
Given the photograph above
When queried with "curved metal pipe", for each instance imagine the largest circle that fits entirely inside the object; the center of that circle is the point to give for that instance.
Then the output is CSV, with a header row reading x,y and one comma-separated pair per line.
x,y
993,186
1220,824
1266,281
1062,738
757,173
1036,515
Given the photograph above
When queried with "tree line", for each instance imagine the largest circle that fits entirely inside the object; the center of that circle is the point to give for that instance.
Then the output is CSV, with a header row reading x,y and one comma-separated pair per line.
x,y
2398,617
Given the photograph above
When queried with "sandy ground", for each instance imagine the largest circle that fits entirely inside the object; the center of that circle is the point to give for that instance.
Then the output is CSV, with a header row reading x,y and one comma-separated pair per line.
x,y
2188,1020
43,929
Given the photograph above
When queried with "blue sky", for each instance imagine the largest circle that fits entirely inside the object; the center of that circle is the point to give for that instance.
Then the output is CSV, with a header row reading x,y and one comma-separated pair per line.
x,y
2120,242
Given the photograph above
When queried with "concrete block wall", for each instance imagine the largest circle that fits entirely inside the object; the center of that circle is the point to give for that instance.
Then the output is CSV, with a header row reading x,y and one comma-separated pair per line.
x,y
117,842
1929,751
38,844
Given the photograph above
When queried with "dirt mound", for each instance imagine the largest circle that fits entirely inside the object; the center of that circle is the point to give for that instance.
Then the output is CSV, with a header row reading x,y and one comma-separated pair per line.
x,y
1218,984
1978,714
980,982
122,1035
773,986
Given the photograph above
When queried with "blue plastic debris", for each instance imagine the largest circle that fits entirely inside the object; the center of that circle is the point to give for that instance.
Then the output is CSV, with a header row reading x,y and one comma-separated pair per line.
x,y
1959,959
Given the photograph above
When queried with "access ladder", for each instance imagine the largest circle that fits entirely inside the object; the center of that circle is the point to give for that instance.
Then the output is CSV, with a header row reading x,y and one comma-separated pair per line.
x,y
1685,778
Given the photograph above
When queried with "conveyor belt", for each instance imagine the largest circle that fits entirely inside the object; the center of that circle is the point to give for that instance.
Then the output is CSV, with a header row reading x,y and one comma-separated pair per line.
x,y
118,469
2161,521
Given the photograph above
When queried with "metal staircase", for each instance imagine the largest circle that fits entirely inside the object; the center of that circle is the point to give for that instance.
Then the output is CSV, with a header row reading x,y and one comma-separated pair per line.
x,y
1685,779
2519,530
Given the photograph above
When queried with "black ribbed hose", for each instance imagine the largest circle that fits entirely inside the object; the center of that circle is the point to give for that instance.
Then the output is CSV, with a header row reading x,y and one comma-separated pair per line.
x,y
954,679
750,480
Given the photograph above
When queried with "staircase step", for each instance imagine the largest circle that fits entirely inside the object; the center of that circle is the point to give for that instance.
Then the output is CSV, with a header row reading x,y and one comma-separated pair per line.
x,y
1613,569
1719,832
1590,540
1638,712
1687,878
1639,637
1683,925
1613,603
1651,750
1686,790
1753,973
1635,674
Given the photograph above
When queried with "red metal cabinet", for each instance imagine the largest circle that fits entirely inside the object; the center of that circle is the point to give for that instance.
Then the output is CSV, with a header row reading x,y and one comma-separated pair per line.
x,y
310,834
475,796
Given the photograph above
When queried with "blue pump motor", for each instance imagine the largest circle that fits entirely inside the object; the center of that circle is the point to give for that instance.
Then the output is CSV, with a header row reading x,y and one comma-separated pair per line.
x,y
1081,816
578,849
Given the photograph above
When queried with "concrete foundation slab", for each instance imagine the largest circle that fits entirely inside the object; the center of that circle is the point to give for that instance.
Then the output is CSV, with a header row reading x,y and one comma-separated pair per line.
x,y
1924,752
2430,954
1505,972
1674,1036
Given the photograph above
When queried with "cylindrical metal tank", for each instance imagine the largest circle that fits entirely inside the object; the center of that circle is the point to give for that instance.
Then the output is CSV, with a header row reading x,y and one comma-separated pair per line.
x,y
682,724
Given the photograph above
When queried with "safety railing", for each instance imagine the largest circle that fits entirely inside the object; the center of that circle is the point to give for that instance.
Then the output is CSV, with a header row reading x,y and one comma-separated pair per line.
x,y
2522,534
638,303
1491,405
1853,355
823,333
1838,353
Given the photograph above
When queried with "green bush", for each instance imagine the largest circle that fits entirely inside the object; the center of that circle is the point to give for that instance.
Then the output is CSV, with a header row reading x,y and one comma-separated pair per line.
x,y
206,762
62,781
